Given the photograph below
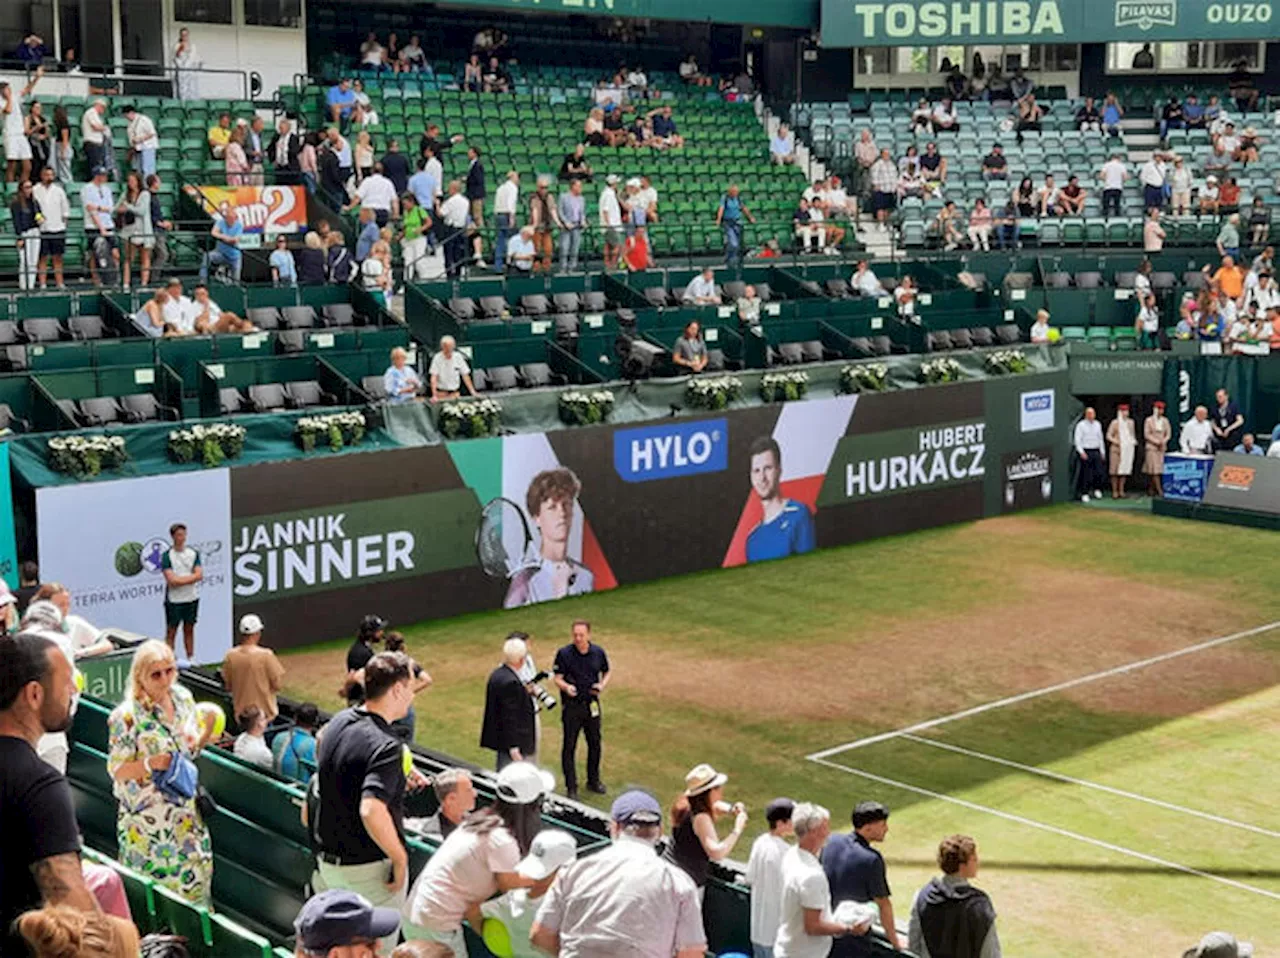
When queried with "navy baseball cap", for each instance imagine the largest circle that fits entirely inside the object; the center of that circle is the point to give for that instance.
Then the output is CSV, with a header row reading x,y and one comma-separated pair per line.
x,y
636,808
337,918
779,810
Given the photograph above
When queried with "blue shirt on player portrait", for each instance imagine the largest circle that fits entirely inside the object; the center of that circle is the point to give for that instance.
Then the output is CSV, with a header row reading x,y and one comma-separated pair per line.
x,y
790,533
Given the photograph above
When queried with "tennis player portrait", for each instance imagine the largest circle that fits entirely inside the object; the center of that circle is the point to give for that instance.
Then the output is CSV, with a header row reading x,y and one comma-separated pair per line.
x,y
786,528
553,573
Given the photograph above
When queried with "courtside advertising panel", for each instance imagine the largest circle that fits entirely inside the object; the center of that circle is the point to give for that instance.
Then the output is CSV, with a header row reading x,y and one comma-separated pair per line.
x,y
106,542
1244,482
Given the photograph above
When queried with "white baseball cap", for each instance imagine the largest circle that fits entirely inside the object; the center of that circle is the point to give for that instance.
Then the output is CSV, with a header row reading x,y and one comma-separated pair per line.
x,y
250,624
522,783
550,850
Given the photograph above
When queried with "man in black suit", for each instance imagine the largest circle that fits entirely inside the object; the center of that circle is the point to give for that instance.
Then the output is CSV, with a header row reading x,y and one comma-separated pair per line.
x,y
475,187
508,708
283,153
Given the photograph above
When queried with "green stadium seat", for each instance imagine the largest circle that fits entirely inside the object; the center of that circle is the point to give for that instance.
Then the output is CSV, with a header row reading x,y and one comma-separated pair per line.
x,y
231,940
181,917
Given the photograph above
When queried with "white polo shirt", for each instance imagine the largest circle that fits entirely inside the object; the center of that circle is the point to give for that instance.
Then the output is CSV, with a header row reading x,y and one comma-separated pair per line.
x,y
764,875
376,192
455,211
610,211
1113,173
449,371
506,199
92,126
54,205
804,886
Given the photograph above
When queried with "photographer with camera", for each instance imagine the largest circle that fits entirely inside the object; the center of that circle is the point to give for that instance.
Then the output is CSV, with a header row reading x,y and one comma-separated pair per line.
x,y
508,726
543,701
582,672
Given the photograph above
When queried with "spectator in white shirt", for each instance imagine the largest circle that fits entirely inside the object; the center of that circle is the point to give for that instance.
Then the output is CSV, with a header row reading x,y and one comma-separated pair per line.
x,y
805,922
1197,434
56,209
520,250
98,204
865,282
505,203
1040,328
1090,446
839,205
93,131
454,212
701,290
610,211
764,876
944,117
922,118
251,744
449,371
376,193
1151,176
1049,196
1113,175
904,295
144,142
782,146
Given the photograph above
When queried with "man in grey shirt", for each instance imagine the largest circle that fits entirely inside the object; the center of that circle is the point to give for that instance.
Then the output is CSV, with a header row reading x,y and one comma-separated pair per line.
x,y
690,352
572,208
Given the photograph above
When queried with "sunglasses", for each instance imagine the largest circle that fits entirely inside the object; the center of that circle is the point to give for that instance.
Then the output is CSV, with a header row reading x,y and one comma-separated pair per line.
x,y
163,673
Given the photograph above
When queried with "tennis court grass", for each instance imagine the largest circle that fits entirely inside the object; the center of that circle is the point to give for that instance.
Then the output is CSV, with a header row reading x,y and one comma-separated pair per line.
x,y
754,669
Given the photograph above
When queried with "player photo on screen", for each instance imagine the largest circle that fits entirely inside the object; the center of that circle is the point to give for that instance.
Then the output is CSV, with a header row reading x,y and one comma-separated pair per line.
x,y
786,527
552,572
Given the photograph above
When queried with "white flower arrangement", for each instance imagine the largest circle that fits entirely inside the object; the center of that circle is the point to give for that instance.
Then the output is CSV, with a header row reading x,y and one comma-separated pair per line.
x,y
337,429
212,444
86,456
585,408
783,387
1005,362
469,418
712,392
941,370
864,378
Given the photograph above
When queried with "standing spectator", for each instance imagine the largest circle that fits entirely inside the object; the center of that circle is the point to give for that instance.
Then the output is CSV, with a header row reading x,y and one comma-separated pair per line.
x,y
367,235
508,709
362,782
544,217
1156,433
624,899
994,164
413,248
93,131
1228,242
369,634
950,916
186,61
479,859
235,157
782,146
764,876
1228,422
401,382
219,136
581,672
1259,222
1197,435
505,203
285,151
377,194
456,795
1240,85
856,873
1121,442
251,744
37,132
449,372
454,214
284,272
26,216
160,224
884,188
694,841
255,151
406,727
17,148
475,187
1151,176
40,856
332,179
572,210
980,225
1148,322
293,751
865,152
227,230
183,574
426,185
161,833
729,216
134,209
63,151
395,167
1113,175
1091,449
376,274
28,585
143,140
310,261
1153,234
805,920
251,672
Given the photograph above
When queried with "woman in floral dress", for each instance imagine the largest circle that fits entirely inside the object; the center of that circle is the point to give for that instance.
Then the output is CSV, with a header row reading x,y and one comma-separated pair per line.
x,y
165,840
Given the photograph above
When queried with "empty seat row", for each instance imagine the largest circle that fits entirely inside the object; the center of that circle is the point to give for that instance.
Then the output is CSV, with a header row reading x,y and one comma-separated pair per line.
x,y
50,330
106,410
1007,334
535,304
270,397
301,317
790,354
1093,279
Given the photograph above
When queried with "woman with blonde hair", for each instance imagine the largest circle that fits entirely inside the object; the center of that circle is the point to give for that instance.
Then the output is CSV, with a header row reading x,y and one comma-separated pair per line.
x,y
160,832
60,931
236,159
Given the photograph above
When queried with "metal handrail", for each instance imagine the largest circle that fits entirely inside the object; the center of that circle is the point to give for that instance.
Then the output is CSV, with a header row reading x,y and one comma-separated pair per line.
x,y
114,73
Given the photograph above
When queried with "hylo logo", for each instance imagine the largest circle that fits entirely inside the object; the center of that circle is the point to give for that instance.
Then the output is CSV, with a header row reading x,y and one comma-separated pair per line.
x,y
1144,14
678,449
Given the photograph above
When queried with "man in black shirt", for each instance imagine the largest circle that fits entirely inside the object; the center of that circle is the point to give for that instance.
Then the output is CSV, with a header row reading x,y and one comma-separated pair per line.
x,y
508,726
994,165
582,671
395,167
40,853
361,651
855,872
432,139
359,825
28,585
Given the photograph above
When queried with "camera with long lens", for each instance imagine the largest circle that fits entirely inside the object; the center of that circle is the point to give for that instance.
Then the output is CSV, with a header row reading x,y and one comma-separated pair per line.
x,y
541,695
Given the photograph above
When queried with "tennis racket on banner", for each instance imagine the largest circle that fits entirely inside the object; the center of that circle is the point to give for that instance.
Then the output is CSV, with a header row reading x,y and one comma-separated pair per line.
x,y
504,541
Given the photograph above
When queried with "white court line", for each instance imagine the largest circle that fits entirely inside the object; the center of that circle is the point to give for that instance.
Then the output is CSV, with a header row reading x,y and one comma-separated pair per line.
x,y
1056,776
1037,693
1055,830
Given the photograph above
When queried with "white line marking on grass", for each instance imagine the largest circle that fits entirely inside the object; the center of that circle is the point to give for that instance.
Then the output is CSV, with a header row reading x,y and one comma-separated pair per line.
x,y
1053,829
1047,690
1057,776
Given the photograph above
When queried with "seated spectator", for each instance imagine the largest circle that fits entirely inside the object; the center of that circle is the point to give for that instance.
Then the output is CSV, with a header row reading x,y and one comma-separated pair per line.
x,y
1112,114
456,793
702,290
362,114
226,231
1030,113
1049,198
911,183
373,54
1250,143
1229,196
994,164
838,202
637,82
944,117
614,123
473,74
690,74
593,129
220,136
66,931
830,236
1228,140
806,232
309,261
412,58
864,281
575,165
664,128
293,751
1218,161
207,317
1088,119
1071,198
904,296
31,51
1193,115
496,78
748,305
950,916
1171,118
520,251
933,166
922,118
1147,323
341,101
956,83
1039,332
1021,86
251,743
1025,198
690,351
980,225
1008,229
284,271
909,158
782,146
945,226
1208,196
